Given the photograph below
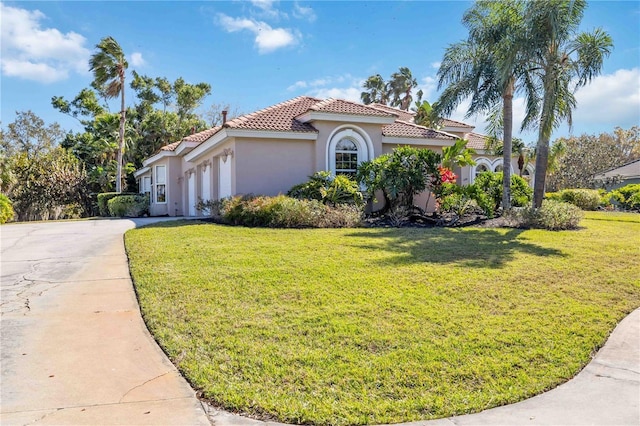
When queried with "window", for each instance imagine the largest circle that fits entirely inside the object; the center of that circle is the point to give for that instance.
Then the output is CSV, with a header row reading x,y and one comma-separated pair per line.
x,y
348,146
346,157
481,168
146,186
498,168
161,188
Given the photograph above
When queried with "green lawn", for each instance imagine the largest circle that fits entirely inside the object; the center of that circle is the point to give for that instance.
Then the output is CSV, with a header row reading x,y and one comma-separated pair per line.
x,y
365,326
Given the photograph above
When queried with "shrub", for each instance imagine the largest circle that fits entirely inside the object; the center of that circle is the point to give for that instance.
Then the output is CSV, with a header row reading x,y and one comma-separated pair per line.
x,y
324,187
586,199
628,196
287,212
6,209
553,215
128,205
103,200
490,183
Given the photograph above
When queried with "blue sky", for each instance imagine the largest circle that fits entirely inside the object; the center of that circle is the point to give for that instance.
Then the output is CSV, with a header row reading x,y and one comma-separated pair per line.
x,y
257,53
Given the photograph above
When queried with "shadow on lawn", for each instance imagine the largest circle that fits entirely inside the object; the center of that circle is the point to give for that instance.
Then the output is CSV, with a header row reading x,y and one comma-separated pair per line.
x,y
478,248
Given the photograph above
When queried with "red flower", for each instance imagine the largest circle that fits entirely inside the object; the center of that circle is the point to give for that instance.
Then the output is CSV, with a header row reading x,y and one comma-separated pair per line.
x,y
446,175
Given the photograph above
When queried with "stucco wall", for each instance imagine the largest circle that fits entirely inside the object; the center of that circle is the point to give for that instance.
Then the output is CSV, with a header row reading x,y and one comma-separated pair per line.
x,y
327,128
271,166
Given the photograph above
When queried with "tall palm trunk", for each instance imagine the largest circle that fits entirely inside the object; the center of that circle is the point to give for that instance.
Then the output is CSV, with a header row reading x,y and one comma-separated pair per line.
x,y
544,134
121,135
507,111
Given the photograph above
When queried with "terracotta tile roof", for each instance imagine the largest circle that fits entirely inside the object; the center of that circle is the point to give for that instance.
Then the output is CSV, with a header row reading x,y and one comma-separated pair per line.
x,y
402,114
202,136
279,117
476,140
170,147
447,122
404,129
339,106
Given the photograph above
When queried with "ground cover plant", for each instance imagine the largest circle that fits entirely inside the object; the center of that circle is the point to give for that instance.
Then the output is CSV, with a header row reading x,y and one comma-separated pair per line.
x,y
371,325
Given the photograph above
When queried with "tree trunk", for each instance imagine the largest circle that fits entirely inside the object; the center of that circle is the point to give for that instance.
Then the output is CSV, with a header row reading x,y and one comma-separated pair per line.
x,y
544,134
121,137
507,111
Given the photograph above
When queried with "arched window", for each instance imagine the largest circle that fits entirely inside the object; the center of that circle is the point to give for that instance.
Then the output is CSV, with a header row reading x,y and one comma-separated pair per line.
x,y
481,168
498,168
346,157
347,148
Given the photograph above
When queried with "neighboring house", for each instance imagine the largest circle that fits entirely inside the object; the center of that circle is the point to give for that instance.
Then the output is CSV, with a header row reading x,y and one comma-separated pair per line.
x,y
620,176
269,151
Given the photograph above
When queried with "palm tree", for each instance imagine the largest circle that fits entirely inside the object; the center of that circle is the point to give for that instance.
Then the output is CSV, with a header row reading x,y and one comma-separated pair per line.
x,y
109,66
401,85
490,66
377,90
564,61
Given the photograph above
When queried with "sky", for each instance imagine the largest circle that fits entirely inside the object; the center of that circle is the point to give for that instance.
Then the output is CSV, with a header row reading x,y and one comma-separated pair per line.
x,y
261,52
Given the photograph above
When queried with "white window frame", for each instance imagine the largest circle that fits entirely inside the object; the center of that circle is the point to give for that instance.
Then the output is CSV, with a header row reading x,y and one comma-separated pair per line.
x,y
160,183
356,135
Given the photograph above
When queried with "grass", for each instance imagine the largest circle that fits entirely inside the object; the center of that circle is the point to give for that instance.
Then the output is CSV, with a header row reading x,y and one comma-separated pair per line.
x,y
365,326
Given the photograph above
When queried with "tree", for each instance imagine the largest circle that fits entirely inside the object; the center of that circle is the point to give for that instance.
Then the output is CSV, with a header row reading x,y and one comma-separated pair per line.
x,y
401,85
376,90
109,66
42,179
396,92
490,66
584,156
564,61
213,115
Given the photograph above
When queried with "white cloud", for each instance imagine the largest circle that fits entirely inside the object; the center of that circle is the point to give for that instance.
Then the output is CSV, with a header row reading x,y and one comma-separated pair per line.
x,y
436,64
33,53
428,85
610,99
267,10
297,85
137,60
263,4
303,12
267,39
347,93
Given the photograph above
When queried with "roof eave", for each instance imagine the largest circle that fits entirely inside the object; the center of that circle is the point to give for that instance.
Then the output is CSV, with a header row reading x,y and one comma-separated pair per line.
x,y
310,116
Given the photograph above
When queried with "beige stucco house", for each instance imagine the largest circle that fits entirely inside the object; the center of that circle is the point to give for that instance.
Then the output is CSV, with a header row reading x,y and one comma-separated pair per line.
x,y
269,151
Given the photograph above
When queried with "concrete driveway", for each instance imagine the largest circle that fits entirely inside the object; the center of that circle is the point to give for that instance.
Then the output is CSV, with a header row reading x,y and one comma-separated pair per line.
x,y
74,347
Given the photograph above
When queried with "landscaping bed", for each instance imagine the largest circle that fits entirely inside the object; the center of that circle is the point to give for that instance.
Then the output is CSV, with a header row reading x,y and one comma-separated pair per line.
x,y
381,325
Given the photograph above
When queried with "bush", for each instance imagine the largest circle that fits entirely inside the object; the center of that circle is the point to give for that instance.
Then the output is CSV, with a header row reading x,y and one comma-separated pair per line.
x,y
324,187
553,215
128,205
490,183
464,199
103,200
287,212
586,199
6,209
628,196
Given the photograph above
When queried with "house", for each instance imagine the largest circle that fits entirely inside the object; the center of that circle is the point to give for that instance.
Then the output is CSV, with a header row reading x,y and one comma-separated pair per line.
x,y
620,176
270,150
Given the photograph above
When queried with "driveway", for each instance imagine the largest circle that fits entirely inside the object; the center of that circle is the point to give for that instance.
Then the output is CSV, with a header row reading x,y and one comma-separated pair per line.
x,y
74,347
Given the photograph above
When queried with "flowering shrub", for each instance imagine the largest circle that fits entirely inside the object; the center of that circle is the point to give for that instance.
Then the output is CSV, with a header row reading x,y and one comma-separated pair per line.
x,y
446,175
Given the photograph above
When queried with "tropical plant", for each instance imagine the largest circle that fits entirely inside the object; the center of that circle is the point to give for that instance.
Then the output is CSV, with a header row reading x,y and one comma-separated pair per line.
x,y
490,66
563,60
457,155
400,175
396,92
376,90
491,184
328,189
425,114
109,66
401,84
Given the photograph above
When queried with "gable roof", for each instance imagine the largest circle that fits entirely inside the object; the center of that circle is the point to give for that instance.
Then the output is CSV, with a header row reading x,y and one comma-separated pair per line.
x,y
628,171
340,106
476,140
403,129
287,117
